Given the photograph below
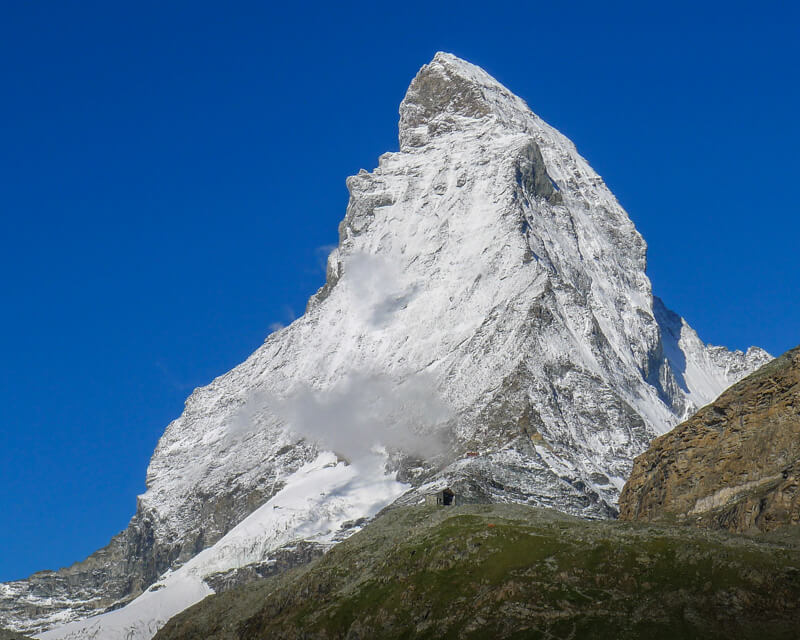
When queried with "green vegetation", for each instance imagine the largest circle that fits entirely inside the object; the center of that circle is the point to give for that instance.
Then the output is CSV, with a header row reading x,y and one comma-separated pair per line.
x,y
10,635
510,571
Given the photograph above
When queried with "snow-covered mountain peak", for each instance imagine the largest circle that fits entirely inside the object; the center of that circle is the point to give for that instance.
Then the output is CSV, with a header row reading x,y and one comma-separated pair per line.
x,y
449,94
486,324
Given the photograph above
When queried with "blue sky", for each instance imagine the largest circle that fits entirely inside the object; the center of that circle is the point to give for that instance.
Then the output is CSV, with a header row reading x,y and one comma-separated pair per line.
x,y
172,171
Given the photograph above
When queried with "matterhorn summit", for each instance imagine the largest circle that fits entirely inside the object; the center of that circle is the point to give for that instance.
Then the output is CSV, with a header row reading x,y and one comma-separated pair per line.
x,y
487,325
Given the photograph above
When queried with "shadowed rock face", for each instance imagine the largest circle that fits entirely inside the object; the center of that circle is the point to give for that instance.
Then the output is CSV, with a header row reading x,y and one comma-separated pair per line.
x,y
116,574
734,465
436,96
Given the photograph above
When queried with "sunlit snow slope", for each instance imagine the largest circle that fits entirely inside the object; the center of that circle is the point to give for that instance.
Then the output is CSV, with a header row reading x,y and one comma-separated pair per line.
x,y
317,500
488,296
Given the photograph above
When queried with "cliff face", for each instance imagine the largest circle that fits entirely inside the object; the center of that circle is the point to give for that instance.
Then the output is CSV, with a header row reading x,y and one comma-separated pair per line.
x,y
734,465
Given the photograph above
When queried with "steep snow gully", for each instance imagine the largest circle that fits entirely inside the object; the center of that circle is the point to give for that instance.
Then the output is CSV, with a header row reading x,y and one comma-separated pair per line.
x,y
488,295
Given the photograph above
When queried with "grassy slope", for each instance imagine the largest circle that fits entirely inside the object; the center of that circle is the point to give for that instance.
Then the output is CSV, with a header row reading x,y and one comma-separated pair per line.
x,y
10,635
510,571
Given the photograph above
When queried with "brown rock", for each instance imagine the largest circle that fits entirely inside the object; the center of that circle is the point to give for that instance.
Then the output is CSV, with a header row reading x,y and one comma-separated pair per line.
x,y
734,465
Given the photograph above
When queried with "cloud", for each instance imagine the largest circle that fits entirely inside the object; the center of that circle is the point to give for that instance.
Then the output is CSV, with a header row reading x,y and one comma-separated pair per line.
x,y
359,415
171,379
378,286
321,254
289,317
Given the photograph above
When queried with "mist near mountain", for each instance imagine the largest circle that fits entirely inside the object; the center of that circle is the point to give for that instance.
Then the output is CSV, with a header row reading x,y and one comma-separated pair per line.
x,y
361,415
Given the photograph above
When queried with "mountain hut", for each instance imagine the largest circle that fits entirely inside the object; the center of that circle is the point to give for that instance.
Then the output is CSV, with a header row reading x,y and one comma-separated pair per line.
x,y
443,498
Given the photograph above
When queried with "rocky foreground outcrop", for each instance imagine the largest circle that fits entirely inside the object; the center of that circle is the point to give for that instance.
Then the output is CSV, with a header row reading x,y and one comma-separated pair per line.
x,y
734,465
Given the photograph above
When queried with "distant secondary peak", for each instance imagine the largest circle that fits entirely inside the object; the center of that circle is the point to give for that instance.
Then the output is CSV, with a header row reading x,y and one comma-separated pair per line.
x,y
447,93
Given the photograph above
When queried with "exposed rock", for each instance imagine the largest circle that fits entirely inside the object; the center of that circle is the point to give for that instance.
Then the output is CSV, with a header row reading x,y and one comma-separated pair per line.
x,y
279,561
734,465
133,560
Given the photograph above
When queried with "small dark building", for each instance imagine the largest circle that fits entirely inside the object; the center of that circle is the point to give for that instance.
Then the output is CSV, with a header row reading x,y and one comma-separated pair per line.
x,y
443,498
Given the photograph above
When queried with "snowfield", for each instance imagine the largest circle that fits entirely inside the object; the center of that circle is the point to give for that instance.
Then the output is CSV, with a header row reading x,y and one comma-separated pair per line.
x,y
317,500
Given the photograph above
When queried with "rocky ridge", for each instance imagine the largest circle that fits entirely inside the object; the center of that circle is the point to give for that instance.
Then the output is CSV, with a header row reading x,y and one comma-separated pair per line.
x,y
489,294
734,465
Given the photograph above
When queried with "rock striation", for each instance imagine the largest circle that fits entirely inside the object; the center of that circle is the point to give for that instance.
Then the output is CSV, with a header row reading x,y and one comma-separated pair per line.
x,y
488,296
734,465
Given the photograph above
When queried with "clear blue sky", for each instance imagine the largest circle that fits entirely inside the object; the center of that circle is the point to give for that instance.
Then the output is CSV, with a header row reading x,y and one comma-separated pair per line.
x,y
170,170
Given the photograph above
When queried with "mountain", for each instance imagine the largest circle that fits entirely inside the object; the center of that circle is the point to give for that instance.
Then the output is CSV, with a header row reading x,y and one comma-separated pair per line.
x,y
733,465
486,324
514,571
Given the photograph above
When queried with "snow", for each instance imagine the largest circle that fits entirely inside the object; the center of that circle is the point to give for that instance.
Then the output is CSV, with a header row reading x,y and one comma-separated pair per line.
x,y
316,501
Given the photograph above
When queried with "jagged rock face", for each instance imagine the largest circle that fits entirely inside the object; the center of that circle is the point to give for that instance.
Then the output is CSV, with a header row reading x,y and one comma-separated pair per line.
x,y
108,578
486,268
279,562
133,560
734,465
